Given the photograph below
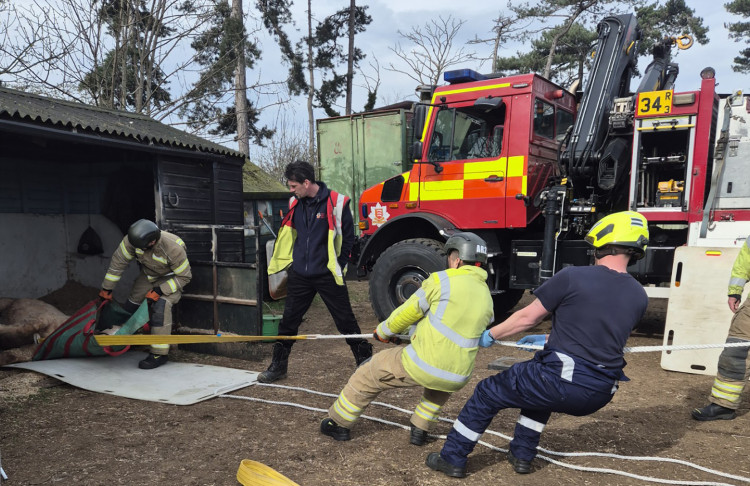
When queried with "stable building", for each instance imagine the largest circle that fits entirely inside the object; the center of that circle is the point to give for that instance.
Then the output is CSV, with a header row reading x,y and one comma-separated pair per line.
x,y
73,177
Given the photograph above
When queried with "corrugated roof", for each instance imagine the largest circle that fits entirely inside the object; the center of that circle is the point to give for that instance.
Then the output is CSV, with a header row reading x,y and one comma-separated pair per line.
x,y
22,106
256,180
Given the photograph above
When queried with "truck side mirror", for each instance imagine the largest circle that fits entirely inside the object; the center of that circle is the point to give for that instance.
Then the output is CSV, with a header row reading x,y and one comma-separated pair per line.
x,y
415,150
417,122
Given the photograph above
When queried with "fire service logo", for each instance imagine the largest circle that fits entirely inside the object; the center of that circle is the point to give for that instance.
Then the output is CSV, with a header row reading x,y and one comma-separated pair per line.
x,y
379,215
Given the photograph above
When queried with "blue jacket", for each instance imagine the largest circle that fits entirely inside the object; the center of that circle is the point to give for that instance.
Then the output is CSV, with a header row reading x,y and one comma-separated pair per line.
x,y
313,241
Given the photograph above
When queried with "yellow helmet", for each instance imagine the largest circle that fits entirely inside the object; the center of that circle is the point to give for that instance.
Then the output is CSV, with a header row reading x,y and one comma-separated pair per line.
x,y
626,229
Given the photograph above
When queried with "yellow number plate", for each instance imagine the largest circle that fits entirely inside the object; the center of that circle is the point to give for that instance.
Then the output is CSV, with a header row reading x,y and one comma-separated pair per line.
x,y
654,103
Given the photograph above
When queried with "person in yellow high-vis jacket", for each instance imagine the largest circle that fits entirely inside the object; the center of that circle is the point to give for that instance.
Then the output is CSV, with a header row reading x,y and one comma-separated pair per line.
x,y
734,365
313,246
165,271
451,310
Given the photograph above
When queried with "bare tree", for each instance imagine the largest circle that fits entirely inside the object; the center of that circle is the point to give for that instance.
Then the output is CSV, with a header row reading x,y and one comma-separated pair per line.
x,y
371,83
117,55
505,28
432,50
290,143
35,47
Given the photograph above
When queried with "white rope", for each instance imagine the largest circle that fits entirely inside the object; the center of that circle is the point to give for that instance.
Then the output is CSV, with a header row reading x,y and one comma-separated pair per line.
x,y
541,456
645,349
513,344
340,336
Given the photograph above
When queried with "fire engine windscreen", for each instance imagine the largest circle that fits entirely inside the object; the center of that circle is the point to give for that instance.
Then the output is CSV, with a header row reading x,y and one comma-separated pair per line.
x,y
467,133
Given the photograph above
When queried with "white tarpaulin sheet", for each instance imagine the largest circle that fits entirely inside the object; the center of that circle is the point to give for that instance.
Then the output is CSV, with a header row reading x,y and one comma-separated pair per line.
x,y
175,383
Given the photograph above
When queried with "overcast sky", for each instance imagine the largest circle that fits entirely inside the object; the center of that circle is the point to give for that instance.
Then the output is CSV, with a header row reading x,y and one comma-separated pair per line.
x,y
390,16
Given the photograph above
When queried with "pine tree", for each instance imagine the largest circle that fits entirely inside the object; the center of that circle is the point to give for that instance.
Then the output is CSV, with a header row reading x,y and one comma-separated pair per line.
x,y
740,31
329,54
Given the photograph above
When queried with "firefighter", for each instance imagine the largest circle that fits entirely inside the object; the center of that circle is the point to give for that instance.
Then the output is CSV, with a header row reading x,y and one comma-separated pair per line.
x,y
164,272
726,392
313,246
450,311
594,309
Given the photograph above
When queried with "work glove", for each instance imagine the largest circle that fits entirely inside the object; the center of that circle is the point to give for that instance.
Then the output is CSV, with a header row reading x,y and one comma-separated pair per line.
x,y
486,340
534,340
105,295
383,338
734,302
154,294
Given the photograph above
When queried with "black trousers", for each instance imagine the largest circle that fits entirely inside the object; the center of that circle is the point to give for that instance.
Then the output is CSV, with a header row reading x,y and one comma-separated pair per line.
x,y
300,292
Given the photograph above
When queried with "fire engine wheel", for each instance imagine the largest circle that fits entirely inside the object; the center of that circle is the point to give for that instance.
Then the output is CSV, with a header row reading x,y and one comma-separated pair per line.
x,y
399,272
504,302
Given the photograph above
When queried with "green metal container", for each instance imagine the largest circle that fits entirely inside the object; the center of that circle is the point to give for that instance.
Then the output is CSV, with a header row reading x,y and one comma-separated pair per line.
x,y
359,151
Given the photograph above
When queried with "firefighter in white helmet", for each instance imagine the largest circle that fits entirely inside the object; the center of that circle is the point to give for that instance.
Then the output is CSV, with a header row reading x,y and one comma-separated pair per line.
x,y
450,310
726,393
165,271
594,310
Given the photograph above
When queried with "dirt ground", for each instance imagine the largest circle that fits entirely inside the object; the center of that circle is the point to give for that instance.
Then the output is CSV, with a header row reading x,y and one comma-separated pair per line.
x,y
53,433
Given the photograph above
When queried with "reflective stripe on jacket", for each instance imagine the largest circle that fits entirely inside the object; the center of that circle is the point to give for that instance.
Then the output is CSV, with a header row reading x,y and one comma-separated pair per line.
x,y
579,371
167,257
453,308
284,246
740,270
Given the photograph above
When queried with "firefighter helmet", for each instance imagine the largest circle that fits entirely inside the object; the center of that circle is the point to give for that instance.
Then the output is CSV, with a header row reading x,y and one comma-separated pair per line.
x,y
470,247
143,232
626,229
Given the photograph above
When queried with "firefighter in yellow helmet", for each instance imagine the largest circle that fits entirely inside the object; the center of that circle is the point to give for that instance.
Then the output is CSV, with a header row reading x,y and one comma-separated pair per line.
x,y
450,311
726,393
594,309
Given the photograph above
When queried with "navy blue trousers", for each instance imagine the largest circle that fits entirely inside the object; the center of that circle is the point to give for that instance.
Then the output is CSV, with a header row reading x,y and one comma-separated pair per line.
x,y
300,293
534,387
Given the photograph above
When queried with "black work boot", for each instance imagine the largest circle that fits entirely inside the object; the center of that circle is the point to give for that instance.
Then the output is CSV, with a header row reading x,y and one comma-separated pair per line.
x,y
520,466
279,362
713,412
153,361
418,437
332,429
436,462
362,351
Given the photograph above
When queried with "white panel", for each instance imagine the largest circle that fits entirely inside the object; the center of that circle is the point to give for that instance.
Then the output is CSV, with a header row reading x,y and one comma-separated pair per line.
x,y
698,312
175,383
728,234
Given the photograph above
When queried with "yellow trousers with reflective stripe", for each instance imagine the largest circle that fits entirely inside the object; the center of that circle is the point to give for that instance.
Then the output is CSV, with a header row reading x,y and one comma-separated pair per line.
x,y
734,363
384,371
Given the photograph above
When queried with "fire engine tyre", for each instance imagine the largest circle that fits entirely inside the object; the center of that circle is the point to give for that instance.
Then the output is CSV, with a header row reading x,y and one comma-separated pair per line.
x,y
504,302
400,270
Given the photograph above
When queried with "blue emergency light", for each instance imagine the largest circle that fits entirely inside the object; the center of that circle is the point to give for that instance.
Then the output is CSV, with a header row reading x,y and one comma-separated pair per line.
x,y
462,76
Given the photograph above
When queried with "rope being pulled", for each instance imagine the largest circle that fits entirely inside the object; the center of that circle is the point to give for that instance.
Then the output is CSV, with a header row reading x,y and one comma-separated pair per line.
x,y
646,349
498,449
147,339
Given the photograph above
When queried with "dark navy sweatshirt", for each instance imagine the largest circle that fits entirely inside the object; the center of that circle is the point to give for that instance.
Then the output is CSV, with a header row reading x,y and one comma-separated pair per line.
x,y
310,254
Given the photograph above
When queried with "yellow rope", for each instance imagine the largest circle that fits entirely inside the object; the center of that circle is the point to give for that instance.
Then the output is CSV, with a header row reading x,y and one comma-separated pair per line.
x,y
253,473
148,339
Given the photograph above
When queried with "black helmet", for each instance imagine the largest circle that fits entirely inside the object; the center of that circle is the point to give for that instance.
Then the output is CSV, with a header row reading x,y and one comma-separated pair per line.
x,y
143,232
471,248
